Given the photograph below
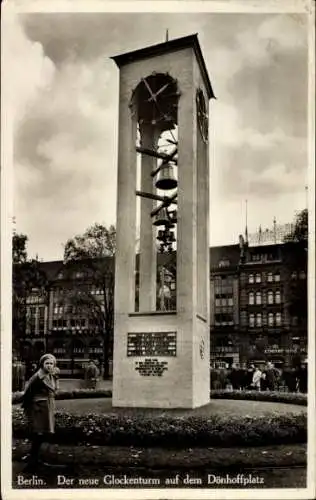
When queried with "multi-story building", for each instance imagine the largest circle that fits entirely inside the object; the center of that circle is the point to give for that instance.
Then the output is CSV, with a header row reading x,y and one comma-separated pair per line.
x,y
262,327
224,306
250,314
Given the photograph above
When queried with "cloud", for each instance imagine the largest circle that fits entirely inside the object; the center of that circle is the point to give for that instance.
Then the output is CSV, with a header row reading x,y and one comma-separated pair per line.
x,y
66,136
29,70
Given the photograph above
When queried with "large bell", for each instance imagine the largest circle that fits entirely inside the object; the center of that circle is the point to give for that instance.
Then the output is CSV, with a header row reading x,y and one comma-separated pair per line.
x,y
166,179
162,218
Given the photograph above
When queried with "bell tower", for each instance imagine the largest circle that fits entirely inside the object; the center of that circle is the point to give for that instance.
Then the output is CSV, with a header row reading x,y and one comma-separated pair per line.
x,y
161,323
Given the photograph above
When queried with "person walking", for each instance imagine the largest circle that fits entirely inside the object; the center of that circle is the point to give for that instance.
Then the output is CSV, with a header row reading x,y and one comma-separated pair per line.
x,y
38,402
92,374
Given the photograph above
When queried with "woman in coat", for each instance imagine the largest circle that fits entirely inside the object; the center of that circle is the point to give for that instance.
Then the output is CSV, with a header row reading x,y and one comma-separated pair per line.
x,y
38,402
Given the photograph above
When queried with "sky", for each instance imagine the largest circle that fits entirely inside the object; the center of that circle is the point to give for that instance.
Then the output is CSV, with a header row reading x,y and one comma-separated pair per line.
x,y
65,89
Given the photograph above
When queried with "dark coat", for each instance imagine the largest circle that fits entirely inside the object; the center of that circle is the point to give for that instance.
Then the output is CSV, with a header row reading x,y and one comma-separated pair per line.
x,y
38,402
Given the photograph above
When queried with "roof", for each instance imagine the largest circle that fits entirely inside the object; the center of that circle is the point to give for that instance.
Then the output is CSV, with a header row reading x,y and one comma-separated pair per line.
x,y
165,47
229,252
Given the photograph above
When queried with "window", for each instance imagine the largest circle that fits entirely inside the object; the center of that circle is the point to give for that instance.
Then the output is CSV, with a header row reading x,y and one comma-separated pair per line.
x,y
271,256
278,297
217,302
251,298
278,319
224,302
258,278
270,297
294,275
270,277
277,277
230,301
259,319
224,263
270,319
273,342
251,320
251,278
258,298
302,275
255,257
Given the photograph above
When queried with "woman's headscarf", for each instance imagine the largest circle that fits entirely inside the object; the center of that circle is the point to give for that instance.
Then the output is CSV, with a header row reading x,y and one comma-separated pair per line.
x,y
45,357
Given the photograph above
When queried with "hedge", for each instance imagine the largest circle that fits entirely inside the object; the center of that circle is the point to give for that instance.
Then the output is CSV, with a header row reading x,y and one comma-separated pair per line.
x,y
172,432
71,394
268,396
276,397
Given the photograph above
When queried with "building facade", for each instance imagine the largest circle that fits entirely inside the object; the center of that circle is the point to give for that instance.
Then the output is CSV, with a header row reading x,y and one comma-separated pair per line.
x,y
260,325
251,318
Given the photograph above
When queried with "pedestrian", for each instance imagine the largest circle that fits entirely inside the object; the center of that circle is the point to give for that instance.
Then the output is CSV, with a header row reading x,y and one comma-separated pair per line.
x,y
235,377
92,374
38,402
14,374
263,381
21,376
271,376
243,375
249,376
291,380
302,378
256,379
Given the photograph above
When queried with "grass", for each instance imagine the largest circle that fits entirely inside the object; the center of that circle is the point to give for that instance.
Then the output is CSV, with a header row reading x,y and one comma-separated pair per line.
x,y
215,407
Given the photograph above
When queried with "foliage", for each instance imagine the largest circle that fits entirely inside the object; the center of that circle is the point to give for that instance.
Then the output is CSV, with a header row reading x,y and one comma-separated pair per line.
x,y
27,275
96,242
295,259
92,254
275,397
172,432
72,394
19,253
300,230
272,396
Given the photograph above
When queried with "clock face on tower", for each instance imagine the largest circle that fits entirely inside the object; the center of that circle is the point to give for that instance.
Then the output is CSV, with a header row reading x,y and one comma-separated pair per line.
x,y
202,116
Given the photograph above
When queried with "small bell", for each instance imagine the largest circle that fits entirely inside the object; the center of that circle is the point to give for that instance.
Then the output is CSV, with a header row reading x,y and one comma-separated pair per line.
x,y
173,216
171,237
162,218
161,235
166,179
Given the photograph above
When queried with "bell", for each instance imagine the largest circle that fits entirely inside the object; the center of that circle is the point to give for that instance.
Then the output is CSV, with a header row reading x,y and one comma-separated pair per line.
x,y
162,218
173,216
172,237
166,179
161,235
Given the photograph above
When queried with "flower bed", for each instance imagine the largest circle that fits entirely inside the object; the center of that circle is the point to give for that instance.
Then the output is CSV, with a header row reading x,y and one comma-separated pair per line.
x,y
168,431
276,397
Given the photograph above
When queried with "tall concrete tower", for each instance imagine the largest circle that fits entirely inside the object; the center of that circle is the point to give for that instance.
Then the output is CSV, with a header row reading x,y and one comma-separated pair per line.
x,y
161,354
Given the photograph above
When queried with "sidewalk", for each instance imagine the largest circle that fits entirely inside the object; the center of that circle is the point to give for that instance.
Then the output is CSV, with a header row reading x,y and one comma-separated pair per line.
x,y
76,383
